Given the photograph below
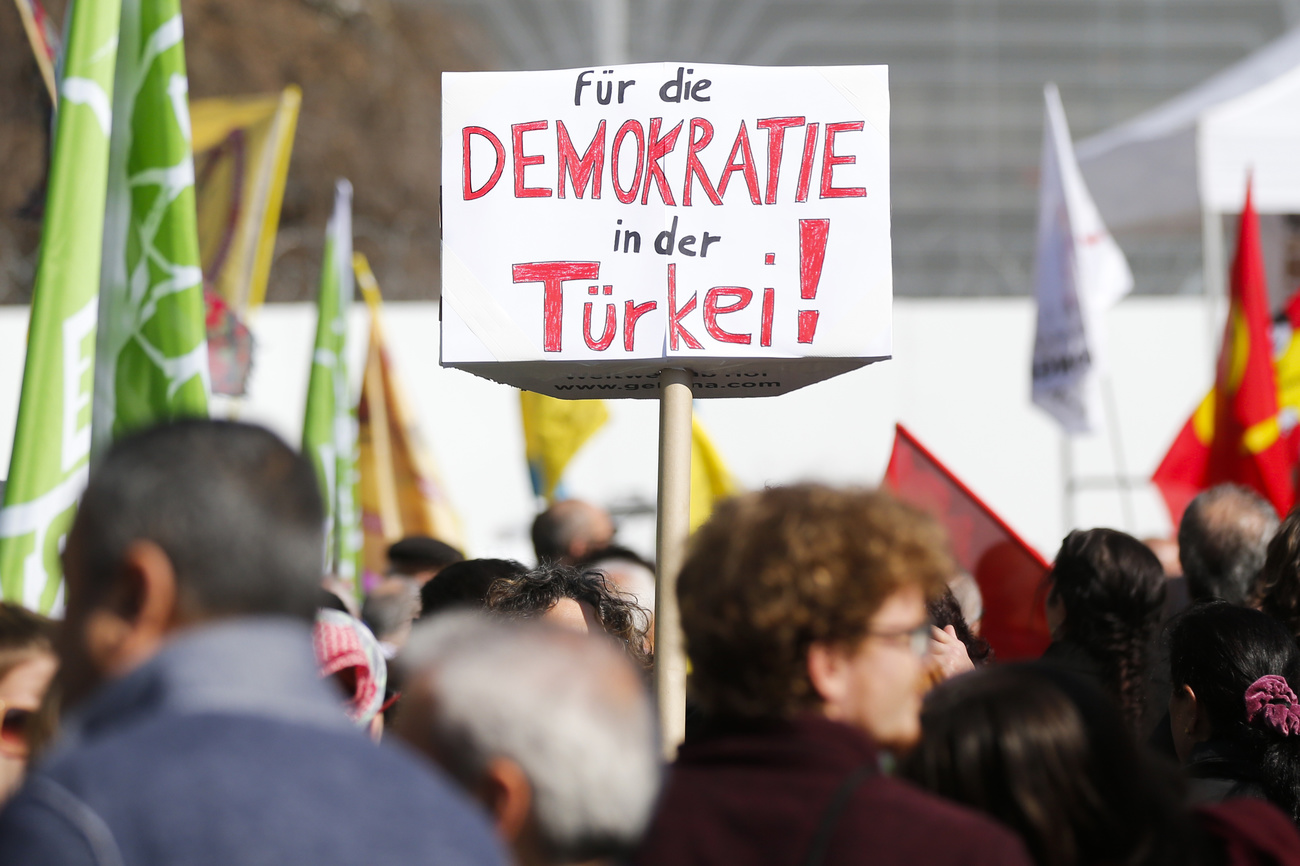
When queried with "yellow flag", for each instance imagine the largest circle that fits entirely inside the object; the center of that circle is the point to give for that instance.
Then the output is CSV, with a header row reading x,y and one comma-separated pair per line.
x,y
401,492
554,430
241,161
1287,369
710,480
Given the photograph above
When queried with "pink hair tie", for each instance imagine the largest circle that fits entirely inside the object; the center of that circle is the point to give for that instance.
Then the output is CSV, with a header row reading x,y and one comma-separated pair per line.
x,y
1271,700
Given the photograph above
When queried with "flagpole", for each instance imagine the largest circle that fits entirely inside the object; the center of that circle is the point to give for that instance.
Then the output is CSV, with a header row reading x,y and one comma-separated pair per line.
x,y
1117,451
610,22
673,527
1067,482
1212,275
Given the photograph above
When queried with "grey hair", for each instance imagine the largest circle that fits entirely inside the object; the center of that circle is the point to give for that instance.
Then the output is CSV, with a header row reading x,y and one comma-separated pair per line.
x,y
1223,540
237,511
569,709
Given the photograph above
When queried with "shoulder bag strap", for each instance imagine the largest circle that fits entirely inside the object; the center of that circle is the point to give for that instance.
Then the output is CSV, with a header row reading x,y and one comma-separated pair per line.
x,y
834,811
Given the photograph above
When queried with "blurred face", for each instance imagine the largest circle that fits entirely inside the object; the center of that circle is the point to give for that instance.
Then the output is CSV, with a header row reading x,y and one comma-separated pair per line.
x,y
876,685
638,582
603,534
21,692
594,530
574,615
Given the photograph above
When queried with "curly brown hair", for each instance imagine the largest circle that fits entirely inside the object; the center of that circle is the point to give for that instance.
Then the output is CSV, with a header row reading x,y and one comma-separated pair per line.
x,y
530,595
773,572
1277,588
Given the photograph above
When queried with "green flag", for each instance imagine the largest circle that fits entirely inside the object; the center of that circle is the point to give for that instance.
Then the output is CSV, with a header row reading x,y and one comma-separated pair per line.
x,y
51,452
351,539
329,427
151,360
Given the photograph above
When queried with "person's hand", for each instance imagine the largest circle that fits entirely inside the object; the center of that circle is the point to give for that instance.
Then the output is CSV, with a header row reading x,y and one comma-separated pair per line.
x,y
948,654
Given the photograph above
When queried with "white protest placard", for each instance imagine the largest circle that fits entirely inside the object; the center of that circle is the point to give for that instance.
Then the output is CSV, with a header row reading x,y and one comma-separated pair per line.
x,y
600,225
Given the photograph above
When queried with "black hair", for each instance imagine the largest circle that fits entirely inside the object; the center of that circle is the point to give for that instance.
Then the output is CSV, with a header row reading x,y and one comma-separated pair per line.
x,y
327,599
944,610
1049,755
465,584
1222,542
532,594
236,510
550,536
1220,650
1113,590
1277,588
417,553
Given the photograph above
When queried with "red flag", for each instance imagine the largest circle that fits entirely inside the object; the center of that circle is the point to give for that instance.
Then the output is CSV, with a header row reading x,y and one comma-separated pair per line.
x,y
1234,435
1009,572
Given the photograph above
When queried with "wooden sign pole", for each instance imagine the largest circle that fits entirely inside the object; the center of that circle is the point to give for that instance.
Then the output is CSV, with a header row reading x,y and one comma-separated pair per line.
x,y
673,527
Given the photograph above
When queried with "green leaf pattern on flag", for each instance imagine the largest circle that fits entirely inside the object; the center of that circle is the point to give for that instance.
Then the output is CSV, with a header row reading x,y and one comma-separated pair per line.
x,y
51,452
152,358
329,436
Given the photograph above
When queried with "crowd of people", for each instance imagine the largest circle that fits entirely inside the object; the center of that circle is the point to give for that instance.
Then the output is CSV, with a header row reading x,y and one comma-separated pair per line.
x,y
209,698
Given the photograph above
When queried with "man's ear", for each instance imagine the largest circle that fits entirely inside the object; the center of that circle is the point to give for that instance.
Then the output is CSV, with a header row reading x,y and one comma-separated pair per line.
x,y
508,796
137,613
828,668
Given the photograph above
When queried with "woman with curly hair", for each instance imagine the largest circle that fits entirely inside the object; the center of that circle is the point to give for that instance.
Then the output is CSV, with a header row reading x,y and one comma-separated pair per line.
x,y
1106,592
570,598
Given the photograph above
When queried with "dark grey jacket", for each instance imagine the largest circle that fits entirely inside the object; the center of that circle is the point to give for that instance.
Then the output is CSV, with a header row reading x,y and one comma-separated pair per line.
x,y
228,748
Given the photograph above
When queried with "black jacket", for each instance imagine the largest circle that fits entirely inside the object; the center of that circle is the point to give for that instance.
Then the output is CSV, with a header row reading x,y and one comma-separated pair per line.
x,y
1219,772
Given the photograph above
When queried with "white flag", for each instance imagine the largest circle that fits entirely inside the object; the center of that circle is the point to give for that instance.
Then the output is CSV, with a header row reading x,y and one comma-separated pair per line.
x,y
1079,274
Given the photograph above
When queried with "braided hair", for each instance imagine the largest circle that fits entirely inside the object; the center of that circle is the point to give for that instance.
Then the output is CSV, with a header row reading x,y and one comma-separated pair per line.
x,y
1112,589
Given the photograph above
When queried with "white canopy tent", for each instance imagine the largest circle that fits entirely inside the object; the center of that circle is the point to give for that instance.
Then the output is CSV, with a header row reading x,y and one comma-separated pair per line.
x,y
1191,155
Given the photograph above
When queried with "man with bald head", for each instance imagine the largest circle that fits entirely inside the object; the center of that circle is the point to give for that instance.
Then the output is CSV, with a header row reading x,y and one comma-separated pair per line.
x,y
1222,541
570,530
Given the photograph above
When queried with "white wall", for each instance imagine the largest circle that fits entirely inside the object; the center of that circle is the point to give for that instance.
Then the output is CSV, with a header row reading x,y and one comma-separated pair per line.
x,y
959,380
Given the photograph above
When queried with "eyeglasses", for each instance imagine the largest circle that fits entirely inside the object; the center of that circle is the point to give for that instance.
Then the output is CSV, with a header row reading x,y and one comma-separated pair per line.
x,y
917,639
15,728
